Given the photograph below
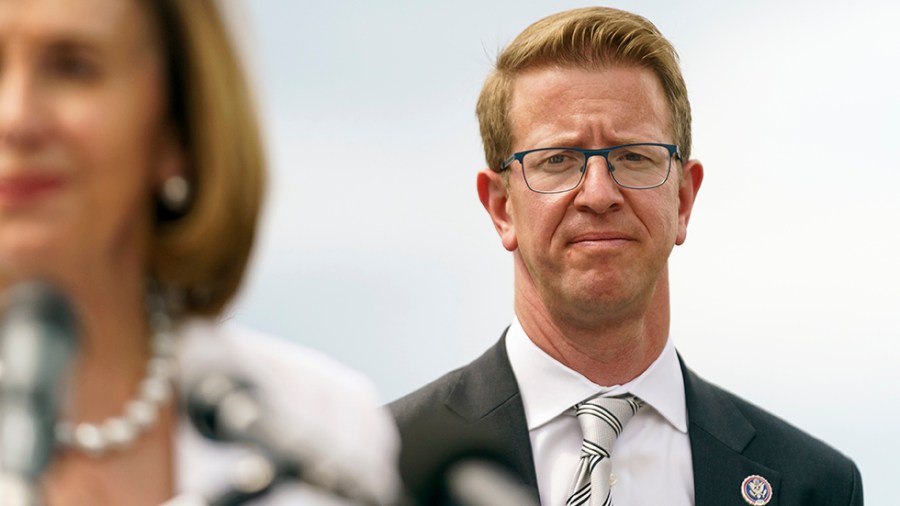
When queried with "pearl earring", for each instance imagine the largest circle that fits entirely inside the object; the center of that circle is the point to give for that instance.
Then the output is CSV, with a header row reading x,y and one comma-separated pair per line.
x,y
175,193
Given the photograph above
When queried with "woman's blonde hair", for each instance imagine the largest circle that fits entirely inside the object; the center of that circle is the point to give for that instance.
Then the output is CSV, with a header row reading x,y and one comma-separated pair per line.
x,y
590,38
202,253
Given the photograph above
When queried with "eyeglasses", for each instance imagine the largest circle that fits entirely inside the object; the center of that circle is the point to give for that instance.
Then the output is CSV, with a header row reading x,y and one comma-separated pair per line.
x,y
556,170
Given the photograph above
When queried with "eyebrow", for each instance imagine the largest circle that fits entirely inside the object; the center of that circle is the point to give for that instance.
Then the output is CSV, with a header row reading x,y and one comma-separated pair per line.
x,y
86,42
568,142
72,42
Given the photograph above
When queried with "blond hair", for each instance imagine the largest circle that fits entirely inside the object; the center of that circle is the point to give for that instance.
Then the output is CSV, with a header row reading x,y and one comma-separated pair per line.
x,y
589,38
203,253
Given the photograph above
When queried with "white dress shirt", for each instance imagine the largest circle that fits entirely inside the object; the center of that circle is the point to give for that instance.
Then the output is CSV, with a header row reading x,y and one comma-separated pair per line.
x,y
651,459
330,409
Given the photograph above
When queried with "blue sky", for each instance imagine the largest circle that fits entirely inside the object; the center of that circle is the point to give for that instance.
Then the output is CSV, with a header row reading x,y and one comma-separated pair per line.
x,y
375,249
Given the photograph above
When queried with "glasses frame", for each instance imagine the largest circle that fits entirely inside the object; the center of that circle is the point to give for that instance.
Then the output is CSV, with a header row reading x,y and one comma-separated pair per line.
x,y
588,153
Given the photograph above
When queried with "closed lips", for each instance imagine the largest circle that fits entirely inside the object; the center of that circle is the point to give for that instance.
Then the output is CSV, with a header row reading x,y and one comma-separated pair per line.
x,y
600,236
23,187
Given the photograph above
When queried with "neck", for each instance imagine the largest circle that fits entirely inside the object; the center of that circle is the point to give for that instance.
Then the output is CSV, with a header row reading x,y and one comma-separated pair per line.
x,y
609,350
107,292
115,347
107,295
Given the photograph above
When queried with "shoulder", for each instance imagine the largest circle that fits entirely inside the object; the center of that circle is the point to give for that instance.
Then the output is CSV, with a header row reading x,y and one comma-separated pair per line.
x,y
473,412
809,467
332,406
277,363
801,456
775,435
425,402
467,394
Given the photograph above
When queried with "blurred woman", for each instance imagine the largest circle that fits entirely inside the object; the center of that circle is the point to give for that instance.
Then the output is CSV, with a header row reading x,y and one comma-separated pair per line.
x,y
131,175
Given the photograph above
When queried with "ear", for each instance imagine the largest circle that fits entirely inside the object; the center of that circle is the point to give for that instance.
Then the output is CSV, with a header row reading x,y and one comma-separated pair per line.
x,y
494,195
692,177
170,160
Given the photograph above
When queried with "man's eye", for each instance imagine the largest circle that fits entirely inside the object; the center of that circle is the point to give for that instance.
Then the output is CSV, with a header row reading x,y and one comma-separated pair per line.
x,y
556,159
634,157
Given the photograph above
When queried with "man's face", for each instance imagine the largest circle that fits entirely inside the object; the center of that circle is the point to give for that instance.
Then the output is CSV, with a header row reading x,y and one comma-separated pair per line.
x,y
598,251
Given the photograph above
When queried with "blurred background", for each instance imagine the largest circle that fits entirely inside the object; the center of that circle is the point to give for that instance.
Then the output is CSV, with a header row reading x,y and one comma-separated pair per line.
x,y
376,251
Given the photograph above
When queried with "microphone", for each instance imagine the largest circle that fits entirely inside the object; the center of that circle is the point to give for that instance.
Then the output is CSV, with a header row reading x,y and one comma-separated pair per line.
x,y
473,478
446,461
225,408
483,482
38,337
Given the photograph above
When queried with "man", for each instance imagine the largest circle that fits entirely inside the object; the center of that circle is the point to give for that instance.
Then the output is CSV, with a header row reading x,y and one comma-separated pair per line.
x,y
587,134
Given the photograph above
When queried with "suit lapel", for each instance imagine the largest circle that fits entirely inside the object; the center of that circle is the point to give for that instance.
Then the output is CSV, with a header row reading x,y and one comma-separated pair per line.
x,y
719,433
486,396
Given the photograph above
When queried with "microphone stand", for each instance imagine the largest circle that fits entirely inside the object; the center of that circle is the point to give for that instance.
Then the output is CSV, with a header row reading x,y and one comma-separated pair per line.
x,y
225,408
15,490
38,338
254,477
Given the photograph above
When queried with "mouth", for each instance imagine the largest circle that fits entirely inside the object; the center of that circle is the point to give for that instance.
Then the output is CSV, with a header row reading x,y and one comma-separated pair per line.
x,y
600,237
601,240
17,191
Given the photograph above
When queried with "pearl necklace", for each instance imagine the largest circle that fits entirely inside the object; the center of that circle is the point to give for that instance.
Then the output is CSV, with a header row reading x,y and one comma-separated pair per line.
x,y
141,413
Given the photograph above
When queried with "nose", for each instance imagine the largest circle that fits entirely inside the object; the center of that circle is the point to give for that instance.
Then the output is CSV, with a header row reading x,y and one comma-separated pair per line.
x,y
598,192
22,121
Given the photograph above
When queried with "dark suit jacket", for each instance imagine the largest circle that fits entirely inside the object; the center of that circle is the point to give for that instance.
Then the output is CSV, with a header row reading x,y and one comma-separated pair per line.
x,y
477,409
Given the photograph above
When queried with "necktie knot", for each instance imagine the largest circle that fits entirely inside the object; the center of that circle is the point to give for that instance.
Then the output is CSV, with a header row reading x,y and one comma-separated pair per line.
x,y
602,420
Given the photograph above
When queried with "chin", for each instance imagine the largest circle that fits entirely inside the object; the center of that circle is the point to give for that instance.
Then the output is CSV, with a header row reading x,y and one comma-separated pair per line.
x,y
602,295
29,254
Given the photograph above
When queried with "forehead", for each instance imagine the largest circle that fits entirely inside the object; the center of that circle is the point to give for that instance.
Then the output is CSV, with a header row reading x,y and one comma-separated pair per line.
x,y
615,104
92,20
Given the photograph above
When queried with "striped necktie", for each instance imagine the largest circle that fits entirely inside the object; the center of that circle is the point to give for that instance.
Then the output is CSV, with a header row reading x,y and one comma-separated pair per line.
x,y
601,420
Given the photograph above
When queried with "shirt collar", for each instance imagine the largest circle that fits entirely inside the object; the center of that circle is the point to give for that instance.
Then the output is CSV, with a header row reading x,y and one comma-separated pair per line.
x,y
549,388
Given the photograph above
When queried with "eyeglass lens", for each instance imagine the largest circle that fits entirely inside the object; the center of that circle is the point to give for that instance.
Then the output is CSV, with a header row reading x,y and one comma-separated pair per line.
x,y
556,170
